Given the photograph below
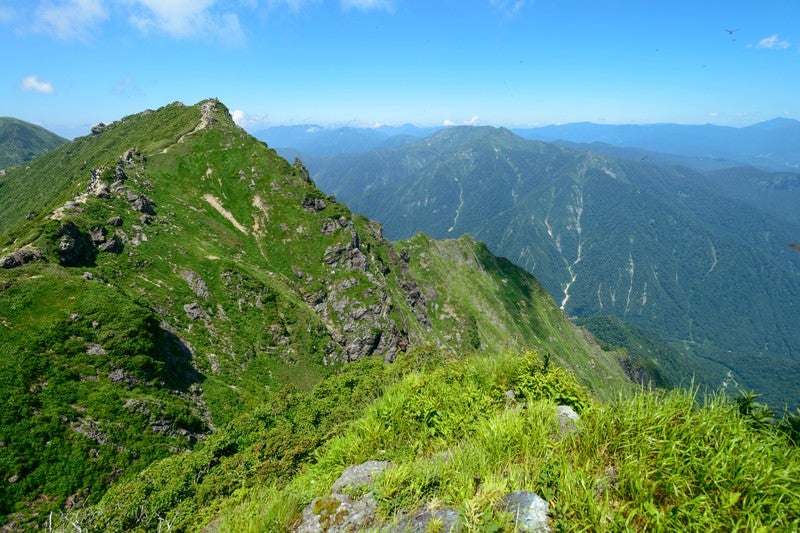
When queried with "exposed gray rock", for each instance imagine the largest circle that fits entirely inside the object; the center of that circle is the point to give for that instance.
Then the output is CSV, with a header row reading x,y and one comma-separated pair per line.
x,y
75,248
339,513
21,257
114,221
195,311
196,283
303,170
94,349
567,419
314,204
529,511
111,246
98,235
98,128
141,203
360,476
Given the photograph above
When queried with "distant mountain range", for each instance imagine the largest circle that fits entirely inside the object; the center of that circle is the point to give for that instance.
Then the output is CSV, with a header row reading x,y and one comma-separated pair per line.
x,y
21,141
322,141
771,145
657,246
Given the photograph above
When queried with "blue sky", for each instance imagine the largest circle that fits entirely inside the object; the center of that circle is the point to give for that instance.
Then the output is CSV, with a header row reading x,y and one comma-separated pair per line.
x,y
68,64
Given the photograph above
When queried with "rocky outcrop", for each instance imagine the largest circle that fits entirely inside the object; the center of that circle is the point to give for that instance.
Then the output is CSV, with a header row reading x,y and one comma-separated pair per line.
x,y
20,257
315,205
338,512
75,248
197,284
141,203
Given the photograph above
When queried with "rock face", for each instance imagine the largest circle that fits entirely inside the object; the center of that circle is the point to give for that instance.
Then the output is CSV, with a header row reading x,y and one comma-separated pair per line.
x,y
74,247
338,513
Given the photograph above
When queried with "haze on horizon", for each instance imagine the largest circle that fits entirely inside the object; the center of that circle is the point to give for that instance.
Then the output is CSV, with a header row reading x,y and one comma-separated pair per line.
x,y
519,63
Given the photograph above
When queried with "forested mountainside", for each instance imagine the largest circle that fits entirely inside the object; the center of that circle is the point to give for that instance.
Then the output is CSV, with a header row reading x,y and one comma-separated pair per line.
x,y
653,245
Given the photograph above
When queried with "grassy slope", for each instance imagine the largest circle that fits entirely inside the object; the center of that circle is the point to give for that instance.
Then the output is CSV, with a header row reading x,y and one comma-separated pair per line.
x,y
641,462
484,302
228,213
647,461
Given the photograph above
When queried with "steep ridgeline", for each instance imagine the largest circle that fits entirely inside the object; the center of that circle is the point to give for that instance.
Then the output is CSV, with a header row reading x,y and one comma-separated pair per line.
x,y
645,243
21,141
169,272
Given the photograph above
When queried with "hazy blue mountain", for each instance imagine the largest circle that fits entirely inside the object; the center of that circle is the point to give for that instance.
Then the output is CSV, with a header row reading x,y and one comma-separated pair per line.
x,y
649,244
321,141
772,144
21,141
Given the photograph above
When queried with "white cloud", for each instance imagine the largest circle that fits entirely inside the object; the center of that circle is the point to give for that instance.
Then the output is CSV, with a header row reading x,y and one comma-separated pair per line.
x,y
364,5
471,122
186,19
69,19
238,116
33,83
773,42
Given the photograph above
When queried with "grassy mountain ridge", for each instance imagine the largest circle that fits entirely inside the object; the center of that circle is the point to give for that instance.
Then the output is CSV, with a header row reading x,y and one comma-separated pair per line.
x,y
21,141
170,272
649,244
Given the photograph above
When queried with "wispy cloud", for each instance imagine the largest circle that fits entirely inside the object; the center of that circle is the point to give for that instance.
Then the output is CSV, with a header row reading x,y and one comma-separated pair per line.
x,y
69,19
33,83
773,42
365,5
238,116
185,19
471,122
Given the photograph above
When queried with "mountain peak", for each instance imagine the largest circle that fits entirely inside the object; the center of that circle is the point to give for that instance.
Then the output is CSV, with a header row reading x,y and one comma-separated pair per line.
x,y
776,124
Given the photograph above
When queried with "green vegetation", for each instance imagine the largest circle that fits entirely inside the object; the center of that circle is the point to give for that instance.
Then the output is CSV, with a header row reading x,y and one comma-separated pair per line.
x,y
178,274
21,141
649,460
656,246
175,322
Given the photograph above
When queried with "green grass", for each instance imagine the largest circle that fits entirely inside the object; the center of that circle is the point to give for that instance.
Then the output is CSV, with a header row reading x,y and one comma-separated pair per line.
x,y
649,461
